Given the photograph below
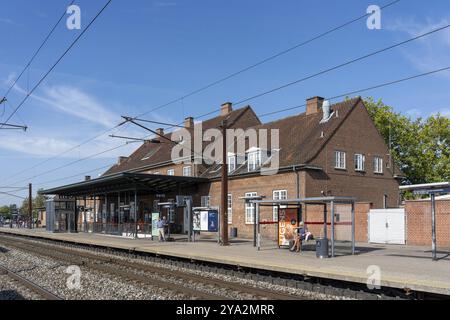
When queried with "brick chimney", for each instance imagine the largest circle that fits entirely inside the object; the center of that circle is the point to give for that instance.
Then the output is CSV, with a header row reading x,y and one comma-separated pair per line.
x,y
121,160
314,105
160,132
226,108
189,122
87,178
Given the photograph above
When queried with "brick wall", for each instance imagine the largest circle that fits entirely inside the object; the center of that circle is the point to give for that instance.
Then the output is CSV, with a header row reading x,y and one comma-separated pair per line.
x,y
418,223
357,134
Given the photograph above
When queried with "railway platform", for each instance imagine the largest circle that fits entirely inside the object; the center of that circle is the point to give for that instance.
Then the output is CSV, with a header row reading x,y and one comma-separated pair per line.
x,y
401,267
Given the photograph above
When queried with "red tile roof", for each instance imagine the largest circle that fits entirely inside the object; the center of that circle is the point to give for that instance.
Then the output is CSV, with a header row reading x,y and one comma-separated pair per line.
x,y
300,135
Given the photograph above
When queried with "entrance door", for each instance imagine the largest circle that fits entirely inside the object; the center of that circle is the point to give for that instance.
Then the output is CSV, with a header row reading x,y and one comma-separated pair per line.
x,y
387,226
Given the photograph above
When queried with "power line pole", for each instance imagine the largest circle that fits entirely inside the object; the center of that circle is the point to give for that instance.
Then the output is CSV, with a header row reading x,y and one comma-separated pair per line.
x,y
224,202
30,204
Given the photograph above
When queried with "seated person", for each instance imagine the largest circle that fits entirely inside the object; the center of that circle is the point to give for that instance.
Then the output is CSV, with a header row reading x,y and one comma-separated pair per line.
x,y
302,234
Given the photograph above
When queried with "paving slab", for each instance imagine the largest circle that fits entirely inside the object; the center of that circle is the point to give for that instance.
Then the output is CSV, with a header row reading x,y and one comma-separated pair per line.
x,y
404,267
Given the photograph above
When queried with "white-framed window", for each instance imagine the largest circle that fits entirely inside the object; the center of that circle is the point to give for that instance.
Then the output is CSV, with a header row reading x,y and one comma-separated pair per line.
x,y
187,171
171,172
360,160
378,165
250,209
231,163
339,160
254,160
205,201
230,208
278,195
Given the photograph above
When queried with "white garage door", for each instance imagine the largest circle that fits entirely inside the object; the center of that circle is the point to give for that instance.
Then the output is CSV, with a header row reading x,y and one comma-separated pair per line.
x,y
387,226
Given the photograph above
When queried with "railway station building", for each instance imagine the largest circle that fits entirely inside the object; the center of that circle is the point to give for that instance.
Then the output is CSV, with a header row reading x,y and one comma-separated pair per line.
x,y
328,150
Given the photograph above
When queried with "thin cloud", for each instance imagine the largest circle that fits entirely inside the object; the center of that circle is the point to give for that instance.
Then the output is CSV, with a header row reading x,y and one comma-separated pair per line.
x,y
429,52
75,102
6,20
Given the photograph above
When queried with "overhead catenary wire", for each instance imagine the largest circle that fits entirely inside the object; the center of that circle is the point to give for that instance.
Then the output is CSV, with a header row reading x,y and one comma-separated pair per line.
x,y
272,57
11,187
74,162
57,62
11,195
266,114
385,84
73,176
60,154
36,52
331,69
234,74
270,113
342,64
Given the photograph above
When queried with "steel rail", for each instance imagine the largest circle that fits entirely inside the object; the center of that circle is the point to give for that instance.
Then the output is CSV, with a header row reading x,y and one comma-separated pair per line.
x,y
29,284
184,276
124,274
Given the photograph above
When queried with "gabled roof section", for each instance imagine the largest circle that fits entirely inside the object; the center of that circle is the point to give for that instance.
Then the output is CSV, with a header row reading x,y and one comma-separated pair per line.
x,y
150,154
302,136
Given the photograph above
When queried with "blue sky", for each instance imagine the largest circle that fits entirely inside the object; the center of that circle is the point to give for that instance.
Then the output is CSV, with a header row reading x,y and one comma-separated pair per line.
x,y
142,53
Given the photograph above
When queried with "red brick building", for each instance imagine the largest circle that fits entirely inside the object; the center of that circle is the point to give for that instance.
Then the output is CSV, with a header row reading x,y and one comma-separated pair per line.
x,y
323,151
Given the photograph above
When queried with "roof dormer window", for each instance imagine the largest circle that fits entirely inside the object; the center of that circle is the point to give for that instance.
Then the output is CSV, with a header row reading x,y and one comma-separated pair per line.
x,y
231,162
253,160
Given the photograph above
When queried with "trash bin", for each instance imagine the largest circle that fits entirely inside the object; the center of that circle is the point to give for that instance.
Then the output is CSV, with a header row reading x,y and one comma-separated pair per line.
x,y
322,248
233,233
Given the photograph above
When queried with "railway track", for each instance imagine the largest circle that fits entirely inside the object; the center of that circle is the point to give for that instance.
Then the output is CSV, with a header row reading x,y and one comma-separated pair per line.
x,y
29,285
147,274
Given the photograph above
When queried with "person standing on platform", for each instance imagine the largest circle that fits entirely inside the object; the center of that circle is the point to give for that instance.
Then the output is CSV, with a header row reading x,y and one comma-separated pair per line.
x,y
161,229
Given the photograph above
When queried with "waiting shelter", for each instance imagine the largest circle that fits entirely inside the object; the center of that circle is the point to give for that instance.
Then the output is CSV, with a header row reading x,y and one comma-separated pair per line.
x,y
290,213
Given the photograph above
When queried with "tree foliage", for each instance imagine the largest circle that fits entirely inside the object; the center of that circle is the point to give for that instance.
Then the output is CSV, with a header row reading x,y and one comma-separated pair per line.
x,y
420,147
4,211
38,203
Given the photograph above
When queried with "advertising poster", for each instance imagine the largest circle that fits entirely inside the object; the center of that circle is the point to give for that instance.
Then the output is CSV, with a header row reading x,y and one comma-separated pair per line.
x,y
212,221
196,221
155,217
204,220
288,220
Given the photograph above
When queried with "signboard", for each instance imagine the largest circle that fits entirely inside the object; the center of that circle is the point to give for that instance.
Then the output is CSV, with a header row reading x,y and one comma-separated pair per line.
x,y
206,220
288,220
430,191
155,218
196,225
212,221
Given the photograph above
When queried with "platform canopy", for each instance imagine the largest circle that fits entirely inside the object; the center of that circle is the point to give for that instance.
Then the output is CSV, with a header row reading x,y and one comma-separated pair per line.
x,y
125,181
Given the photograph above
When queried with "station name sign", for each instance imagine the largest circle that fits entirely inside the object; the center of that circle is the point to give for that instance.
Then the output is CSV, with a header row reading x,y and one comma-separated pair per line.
x,y
430,191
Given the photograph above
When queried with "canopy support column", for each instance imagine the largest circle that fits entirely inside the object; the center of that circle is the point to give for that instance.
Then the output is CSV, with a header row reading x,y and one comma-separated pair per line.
x,y
135,215
433,225
332,229
258,239
353,228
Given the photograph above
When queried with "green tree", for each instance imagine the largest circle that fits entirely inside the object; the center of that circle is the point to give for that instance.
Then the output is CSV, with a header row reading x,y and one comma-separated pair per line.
x,y
4,211
38,202
419,147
